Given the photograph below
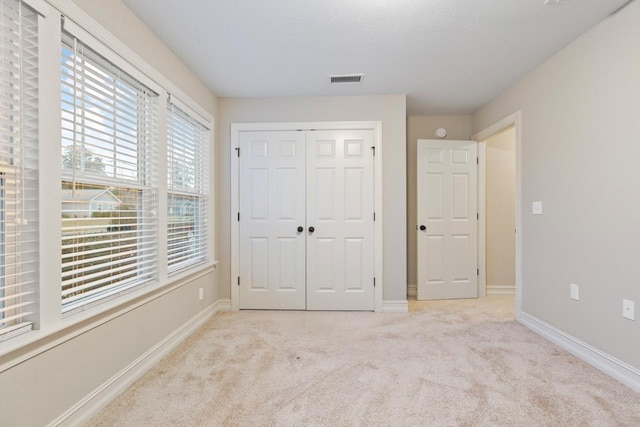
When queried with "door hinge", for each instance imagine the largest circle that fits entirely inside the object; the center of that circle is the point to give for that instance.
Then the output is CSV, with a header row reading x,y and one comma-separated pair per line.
x,y
374,282
238,216
238,151
238,280
477,271
374,216
478,215
477,160
374,150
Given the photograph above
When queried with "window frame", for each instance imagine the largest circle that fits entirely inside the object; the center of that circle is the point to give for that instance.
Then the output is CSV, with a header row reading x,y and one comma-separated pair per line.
x,y
202,193
19,152
100,91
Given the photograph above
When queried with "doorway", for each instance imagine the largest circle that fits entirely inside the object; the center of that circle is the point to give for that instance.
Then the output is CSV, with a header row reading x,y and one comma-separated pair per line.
x,y
509,127
500,212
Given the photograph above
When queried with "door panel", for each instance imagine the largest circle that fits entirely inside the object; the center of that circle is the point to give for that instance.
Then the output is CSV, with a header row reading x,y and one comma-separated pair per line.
x,y
340,208
447,206
272,204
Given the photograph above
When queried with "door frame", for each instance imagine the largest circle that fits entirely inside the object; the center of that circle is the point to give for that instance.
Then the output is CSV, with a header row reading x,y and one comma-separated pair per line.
x,y
375,126
514,119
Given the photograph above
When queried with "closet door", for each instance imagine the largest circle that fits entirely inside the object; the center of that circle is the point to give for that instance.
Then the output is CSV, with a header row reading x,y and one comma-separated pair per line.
x,y
340,203
272,210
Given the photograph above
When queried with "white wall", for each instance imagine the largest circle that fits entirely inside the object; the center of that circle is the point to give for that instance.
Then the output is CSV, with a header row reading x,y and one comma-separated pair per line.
x,y
580,152
47,383
390,109
501,211
424,127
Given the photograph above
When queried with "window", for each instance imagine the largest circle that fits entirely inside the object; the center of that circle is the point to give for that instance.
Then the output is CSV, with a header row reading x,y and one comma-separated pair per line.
x,y
18,168
109,129
188,189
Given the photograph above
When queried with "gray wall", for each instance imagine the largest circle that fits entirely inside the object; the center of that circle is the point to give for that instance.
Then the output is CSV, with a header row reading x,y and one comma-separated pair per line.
x,y
424,127
390,109
35,392
580,152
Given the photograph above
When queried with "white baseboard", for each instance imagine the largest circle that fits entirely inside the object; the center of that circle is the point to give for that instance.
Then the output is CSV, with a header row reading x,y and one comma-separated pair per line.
x,y
495,290
626,374
224,305
80,413
399,306
412,290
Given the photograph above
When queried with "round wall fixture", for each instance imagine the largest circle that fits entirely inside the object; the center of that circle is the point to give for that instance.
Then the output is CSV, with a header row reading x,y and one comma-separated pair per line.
x,y
441,132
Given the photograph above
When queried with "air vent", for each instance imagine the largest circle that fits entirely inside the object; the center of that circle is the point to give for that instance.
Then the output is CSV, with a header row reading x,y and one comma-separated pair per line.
x,y
347,78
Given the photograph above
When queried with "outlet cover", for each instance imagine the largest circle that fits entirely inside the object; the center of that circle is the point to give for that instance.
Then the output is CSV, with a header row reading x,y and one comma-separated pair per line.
x,y
201,294
628,309
575,292
536,208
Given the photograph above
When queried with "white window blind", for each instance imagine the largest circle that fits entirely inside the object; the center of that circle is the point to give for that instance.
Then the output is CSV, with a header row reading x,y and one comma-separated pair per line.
x,y
18,167
188,189
109,178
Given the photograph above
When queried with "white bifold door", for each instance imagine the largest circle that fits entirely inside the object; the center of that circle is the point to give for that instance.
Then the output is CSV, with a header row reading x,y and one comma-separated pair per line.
x,y
447,219
306,220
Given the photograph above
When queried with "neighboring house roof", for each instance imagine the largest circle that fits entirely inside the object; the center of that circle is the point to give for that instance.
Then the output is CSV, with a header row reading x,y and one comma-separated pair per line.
x,y
86,195
185,204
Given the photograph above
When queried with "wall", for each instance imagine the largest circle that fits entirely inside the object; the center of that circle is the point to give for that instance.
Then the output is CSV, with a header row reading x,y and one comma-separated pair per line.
x,y
84,356
501,211
580,154
390,109
424,127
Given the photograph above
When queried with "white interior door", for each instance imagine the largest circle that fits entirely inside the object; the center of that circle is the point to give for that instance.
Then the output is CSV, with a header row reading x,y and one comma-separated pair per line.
x,y
340,246
447,219
272,208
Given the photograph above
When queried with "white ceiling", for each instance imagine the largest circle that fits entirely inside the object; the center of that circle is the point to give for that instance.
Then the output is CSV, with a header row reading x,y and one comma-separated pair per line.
x,y
448,56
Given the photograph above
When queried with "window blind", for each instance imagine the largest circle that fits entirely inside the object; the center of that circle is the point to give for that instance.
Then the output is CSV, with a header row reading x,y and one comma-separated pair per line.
x,y
188,189
18,168
109,178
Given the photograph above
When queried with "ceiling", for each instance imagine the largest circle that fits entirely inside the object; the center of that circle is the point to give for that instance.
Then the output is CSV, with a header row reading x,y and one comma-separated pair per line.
x,y
448,56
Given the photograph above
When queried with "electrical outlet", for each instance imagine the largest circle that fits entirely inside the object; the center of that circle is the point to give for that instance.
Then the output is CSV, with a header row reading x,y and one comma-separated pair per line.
x,y
628,309
536,208
201,294
575,292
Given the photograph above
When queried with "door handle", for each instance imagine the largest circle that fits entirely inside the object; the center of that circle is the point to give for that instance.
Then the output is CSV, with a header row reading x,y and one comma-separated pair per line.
x,y
422,228
311,229
300,229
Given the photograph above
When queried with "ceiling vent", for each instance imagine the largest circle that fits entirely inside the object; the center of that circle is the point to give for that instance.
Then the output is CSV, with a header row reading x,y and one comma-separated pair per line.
x,y
346,78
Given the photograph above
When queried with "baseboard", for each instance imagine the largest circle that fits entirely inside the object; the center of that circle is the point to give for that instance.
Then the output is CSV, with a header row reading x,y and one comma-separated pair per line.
x,y
626,374
398,306
496,290
80,413
412,290
223,305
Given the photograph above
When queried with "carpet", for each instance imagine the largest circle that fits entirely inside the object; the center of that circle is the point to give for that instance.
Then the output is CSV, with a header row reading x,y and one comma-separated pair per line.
x,y
446,363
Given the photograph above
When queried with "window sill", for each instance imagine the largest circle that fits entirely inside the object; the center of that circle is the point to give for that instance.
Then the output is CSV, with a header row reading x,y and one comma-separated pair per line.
x,y
24,347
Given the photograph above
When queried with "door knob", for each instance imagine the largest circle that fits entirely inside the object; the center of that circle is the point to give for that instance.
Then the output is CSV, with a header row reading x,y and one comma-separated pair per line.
x,y
422,228
300,229
311,229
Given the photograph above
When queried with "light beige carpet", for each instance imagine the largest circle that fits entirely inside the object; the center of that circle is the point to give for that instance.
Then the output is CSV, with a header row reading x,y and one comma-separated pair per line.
x,y
448,363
